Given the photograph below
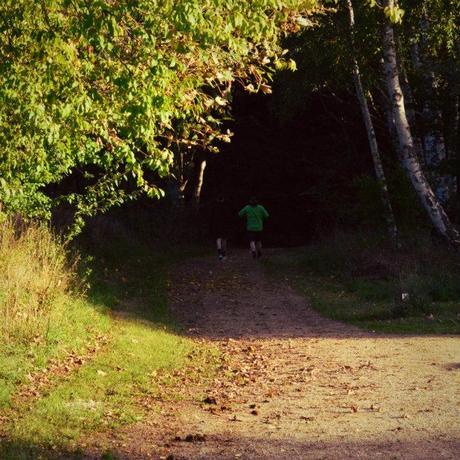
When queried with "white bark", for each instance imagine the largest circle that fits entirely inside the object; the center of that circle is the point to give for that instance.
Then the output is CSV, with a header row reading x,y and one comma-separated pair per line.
x,y
409,160
391,127
411,116
372,139
199,182
434,146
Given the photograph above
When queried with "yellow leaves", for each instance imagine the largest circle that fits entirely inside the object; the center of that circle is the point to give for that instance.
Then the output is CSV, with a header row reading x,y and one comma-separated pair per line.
x,y
266,89
221,101
286,64
394,13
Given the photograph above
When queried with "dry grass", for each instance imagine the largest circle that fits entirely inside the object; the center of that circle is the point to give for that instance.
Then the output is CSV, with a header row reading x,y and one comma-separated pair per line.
x,y
35,274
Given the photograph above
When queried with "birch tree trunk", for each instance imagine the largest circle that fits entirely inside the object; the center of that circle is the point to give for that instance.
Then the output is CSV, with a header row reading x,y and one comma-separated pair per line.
x,y
391,127
409,104
409,159
199,181
454,141
373,146
434,146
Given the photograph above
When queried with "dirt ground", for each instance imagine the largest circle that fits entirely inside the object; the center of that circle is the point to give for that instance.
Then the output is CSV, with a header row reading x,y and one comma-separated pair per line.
x,y
294,385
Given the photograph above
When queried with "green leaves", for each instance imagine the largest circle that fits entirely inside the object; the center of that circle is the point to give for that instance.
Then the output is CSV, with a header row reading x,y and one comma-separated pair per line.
x,y
112,87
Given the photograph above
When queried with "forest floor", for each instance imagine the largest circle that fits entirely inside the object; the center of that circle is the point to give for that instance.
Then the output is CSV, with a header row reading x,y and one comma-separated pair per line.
x,y
289,383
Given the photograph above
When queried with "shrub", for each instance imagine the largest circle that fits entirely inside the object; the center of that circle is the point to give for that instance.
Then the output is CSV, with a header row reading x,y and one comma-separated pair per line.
x,y
35,275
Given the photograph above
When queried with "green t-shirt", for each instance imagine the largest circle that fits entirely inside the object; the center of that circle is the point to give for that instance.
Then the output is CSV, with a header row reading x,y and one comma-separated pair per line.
x,y
255,216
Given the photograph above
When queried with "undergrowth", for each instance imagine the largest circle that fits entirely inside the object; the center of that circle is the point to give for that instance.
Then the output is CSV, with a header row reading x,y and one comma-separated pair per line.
x,y
36,276
43,313
362,280
120,334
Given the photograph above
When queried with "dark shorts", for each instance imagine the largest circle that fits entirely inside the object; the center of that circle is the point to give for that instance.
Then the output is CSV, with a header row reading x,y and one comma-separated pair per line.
x,y
254,236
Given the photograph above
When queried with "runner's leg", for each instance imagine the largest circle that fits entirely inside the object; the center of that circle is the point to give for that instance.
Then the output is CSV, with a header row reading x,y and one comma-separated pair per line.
x,y
259,248
252,237
219,248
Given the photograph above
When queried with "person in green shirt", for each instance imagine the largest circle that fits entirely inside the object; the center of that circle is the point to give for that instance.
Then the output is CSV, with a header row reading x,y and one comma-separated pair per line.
x,y
255,215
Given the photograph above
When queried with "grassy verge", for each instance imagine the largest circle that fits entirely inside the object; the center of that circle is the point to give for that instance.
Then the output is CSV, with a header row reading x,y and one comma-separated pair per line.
x,y
359,280
118,336
43,314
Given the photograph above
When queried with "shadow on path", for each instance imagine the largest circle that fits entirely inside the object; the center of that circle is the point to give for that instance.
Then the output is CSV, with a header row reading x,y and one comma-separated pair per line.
x,y
235,299
292,384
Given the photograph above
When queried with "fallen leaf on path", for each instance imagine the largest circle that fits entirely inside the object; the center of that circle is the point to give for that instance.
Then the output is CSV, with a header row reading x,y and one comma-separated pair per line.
x,y
195,438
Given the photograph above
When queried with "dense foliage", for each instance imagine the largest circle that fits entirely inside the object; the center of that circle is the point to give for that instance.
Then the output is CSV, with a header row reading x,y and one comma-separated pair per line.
x,y
107,90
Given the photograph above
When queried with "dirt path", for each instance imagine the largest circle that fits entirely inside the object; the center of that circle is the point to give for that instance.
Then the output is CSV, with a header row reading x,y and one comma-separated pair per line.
x,y
295,385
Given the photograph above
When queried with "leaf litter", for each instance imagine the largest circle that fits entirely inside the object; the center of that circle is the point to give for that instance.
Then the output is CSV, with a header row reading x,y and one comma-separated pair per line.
x,y
286,381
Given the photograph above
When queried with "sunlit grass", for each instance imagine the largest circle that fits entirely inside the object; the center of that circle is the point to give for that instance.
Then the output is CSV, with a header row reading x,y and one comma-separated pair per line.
x,y
127,305
37,274
103,393
43,313
72,330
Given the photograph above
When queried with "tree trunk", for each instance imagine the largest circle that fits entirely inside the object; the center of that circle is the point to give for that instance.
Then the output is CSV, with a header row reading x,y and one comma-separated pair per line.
x,y
434,146
456,130
409,159
409,104
199,181
389,120
378,167
456,143
177,182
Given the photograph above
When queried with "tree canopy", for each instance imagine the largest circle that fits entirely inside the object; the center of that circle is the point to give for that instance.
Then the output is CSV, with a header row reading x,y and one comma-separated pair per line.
x,y
108,89
102,100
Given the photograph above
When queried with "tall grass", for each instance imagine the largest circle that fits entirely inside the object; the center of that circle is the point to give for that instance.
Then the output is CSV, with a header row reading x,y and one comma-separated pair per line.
x,y
35,275
109,360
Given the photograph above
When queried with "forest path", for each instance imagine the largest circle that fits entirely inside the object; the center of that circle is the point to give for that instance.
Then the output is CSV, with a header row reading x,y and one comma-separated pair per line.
x,y
294,385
